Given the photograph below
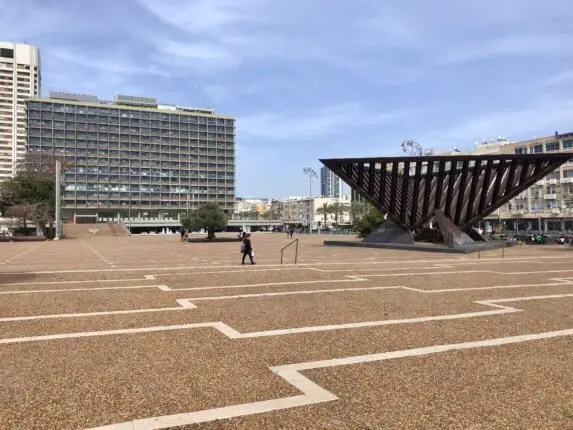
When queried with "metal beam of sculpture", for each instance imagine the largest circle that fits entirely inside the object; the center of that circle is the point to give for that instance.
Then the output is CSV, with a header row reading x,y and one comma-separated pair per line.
x,y
465,188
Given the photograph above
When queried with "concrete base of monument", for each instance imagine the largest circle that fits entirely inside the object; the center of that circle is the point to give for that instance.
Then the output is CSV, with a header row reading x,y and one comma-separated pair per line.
x,y
427,247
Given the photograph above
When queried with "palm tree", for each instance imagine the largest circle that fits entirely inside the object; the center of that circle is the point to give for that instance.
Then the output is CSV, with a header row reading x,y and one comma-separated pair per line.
x,y
324,210
337,209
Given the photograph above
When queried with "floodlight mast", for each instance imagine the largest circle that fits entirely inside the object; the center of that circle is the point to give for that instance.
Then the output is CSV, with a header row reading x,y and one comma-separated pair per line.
x,y
311,173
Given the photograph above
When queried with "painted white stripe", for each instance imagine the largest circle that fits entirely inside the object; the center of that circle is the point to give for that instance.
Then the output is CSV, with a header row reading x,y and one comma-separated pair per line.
x,y
188,302
312,393
89,314
234,334
83,281
64,290
262,266
269,284
21,254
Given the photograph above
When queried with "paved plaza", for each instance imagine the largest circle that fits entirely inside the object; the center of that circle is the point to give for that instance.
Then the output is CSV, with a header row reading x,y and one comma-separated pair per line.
x,y
125,333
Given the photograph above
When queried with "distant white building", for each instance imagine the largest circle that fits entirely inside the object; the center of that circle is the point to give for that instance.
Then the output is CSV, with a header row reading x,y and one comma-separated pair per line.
x,y
251,205
302,211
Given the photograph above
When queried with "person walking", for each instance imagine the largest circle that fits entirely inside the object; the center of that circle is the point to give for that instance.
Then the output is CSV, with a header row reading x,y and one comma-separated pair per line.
x,y
247,248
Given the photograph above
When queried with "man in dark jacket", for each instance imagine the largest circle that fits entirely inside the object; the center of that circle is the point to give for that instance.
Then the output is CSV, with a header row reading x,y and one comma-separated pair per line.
x,y
247,248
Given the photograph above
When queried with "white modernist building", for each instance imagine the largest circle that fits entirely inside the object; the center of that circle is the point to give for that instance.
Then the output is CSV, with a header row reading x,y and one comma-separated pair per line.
x,y
19,79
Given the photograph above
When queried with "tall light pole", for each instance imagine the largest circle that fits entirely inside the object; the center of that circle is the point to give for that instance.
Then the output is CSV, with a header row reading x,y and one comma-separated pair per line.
x,y
58,232
311,173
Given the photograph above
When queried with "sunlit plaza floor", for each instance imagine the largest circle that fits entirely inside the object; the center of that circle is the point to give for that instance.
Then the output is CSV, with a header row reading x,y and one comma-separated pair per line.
x,y
148,333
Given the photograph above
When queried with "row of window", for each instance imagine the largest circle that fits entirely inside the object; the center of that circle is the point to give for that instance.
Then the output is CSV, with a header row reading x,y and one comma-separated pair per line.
x,y
62,121
549,147
143,158
134,137
134,173
73,203
180,168
47,144
140,188
114,111
136,156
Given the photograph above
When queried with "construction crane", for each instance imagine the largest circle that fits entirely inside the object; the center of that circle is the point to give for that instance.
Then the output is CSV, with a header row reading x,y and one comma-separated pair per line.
x,y
412,148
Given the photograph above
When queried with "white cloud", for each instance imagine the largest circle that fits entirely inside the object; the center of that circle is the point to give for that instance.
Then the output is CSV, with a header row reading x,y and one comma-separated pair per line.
x,y
114,62
557,79
311,123
204,16
513,45
540,118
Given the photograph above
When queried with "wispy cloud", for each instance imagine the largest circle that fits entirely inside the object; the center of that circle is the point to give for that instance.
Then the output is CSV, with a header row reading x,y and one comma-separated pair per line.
x,y
204,16
311,123
116,62
537,118
557,79
538,45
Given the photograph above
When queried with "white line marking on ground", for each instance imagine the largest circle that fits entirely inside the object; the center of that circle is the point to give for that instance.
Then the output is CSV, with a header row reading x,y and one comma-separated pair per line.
x,y
97,253
312,393
235,266
21,254
182,305
233,334
269,284
84,281
65,290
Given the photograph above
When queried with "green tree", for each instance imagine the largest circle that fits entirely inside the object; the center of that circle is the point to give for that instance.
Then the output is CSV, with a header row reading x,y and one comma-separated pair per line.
x,y
370,221
208,216
357,210
31,194
324,210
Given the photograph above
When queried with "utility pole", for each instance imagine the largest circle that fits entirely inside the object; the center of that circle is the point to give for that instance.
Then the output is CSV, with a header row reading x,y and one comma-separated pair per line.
x,y
311,173
58,202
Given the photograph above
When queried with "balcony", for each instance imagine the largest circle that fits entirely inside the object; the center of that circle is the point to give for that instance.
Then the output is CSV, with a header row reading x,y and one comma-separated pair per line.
x,y
550,196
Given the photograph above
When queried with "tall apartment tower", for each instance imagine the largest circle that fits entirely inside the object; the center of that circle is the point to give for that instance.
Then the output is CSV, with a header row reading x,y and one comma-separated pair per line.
x,y
19,80
329,183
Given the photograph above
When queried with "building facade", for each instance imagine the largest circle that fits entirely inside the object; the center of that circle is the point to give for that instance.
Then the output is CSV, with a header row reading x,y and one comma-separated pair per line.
x,y
330,184
19,79
548,204
302,212
252,207
133,157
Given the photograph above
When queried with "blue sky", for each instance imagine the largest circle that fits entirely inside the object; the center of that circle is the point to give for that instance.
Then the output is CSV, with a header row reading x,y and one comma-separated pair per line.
x,y
309,79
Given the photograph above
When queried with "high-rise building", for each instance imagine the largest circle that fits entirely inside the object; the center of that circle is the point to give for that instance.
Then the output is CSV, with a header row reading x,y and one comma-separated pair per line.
x,y
329,183
19,79
134,158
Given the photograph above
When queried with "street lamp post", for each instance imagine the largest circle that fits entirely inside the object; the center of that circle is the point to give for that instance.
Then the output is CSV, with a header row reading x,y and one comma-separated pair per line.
x,y
58,232
311,173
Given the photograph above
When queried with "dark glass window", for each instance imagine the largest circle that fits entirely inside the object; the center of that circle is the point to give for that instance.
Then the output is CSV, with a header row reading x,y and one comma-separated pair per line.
x,y
552,146
6,53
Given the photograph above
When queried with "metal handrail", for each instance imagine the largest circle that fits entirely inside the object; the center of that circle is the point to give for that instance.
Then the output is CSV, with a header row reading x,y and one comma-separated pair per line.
x,y
485,245
295,250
